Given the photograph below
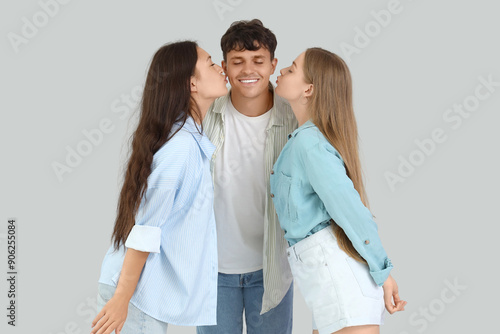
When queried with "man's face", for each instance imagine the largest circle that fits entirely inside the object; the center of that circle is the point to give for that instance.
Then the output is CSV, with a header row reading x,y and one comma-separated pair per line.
x,y
249,71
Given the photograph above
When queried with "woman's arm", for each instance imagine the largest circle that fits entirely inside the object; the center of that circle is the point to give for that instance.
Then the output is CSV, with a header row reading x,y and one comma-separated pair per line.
x,y
327,175
114,313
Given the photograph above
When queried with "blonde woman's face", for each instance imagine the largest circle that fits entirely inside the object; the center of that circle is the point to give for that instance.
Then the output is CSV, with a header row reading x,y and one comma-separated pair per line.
x,y
291,84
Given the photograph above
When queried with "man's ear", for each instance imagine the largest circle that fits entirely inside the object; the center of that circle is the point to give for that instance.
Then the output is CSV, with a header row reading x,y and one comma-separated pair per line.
x,y
274,63
192,84
309,91
224,66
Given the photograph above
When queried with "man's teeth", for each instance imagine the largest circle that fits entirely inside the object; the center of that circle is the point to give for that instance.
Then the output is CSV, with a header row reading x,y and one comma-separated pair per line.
x,y
249,81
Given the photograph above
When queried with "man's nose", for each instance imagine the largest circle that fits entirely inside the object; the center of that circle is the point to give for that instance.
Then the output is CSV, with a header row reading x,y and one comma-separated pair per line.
x,y
248,68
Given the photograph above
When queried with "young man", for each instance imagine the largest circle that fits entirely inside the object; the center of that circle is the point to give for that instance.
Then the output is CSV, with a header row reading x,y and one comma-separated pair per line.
x,y
249,127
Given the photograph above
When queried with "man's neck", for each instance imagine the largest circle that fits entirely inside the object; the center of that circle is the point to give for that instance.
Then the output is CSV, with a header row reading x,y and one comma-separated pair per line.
x,y
252,107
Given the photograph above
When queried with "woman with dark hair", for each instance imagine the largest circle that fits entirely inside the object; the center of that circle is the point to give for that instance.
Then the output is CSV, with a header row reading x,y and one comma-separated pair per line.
x,y
162,266
335,253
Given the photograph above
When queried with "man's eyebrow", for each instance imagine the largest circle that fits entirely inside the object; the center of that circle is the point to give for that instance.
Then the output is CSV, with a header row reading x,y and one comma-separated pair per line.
x,y
253,57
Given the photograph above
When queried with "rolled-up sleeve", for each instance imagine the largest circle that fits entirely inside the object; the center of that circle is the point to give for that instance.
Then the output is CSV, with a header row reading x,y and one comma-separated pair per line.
x,y
152,214
327,175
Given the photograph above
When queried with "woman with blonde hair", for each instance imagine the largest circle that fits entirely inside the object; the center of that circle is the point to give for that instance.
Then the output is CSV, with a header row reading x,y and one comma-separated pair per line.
x,y
335,253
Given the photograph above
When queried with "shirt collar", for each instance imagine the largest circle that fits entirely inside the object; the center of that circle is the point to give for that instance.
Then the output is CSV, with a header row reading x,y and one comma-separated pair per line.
x,y
191,126
205,144
306,125
273,120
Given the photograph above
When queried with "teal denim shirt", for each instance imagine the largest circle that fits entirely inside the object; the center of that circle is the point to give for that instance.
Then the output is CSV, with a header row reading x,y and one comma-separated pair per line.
x,y
309,186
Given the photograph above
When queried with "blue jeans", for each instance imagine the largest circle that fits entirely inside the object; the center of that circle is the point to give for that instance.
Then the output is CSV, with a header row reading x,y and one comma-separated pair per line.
x,y
238,292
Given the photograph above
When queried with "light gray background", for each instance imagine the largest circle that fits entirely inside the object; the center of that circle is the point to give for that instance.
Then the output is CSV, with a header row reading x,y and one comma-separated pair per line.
x,y
438,225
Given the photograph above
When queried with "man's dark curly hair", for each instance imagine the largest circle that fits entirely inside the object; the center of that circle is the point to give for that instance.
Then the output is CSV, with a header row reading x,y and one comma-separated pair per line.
x,y
248,35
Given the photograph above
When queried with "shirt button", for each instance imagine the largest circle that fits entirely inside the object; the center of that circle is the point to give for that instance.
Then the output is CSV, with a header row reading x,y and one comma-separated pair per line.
x,y
367,242
272,172
289,136
272,195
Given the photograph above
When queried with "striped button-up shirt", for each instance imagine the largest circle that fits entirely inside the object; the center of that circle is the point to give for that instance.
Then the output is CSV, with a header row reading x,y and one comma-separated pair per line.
x,y
176,224
276,270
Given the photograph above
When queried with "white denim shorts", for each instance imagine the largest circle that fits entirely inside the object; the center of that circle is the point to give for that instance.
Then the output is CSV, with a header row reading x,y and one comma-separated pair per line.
x,y
338,290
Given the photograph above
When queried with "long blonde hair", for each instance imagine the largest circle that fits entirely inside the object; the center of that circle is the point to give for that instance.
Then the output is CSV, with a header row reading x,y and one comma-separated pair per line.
x,y
331,110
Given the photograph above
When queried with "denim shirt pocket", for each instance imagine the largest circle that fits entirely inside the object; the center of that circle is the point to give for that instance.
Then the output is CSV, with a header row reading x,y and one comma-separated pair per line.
x,y
287,207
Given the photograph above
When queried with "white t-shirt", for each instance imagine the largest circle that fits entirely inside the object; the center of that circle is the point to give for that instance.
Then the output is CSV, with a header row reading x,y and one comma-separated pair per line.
x,y
240,192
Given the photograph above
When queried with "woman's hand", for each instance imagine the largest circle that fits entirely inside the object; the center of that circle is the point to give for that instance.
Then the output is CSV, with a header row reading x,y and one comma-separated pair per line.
x,y
114,313
391,292
112,316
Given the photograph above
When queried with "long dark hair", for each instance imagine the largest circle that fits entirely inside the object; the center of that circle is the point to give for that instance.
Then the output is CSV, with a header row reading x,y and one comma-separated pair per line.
x,y
165,101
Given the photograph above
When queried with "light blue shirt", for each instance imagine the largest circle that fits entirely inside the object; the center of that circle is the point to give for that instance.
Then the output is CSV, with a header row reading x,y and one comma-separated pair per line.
x,y
309,186
176,224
